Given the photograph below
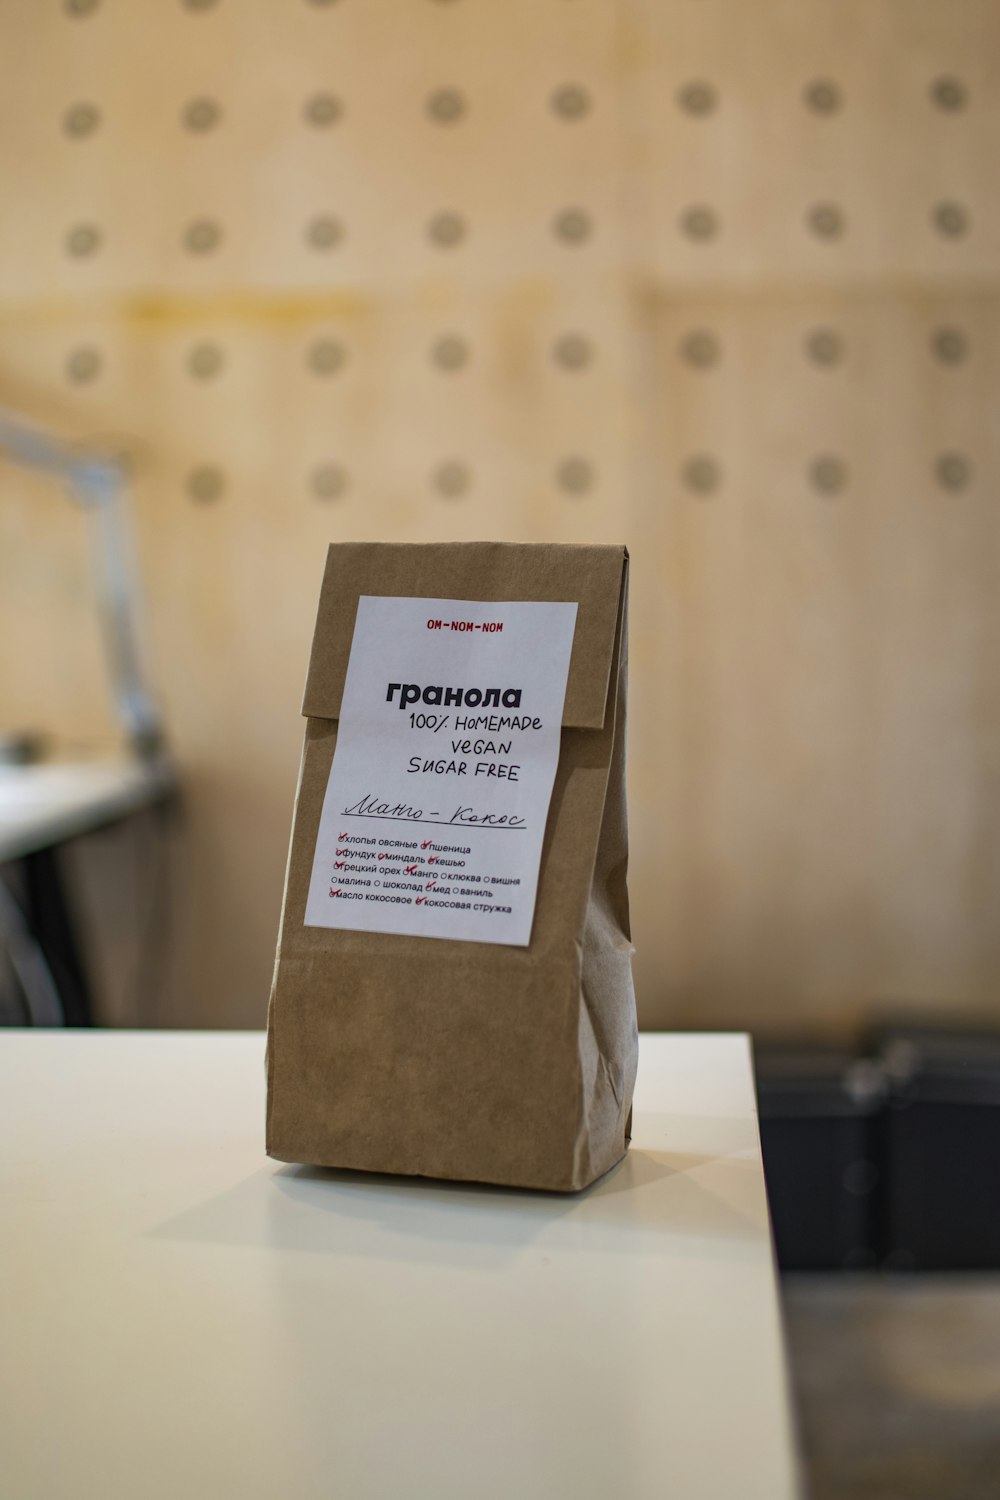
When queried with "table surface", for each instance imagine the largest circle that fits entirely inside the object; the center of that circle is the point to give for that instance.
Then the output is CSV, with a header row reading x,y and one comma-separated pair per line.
x,y
42,805
182,1317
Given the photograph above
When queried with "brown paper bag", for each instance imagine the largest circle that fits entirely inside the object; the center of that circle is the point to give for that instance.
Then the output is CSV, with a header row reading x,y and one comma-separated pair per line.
x,y
455,1059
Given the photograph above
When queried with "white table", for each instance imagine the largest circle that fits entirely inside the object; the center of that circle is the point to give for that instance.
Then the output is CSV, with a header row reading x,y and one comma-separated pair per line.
x,y
43,805
183,1319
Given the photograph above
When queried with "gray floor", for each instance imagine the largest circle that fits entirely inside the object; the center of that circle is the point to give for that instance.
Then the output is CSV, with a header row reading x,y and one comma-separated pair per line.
x,y
897,1385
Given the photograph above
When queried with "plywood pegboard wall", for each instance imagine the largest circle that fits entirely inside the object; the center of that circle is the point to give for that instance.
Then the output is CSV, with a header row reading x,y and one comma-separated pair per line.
x,y
716,278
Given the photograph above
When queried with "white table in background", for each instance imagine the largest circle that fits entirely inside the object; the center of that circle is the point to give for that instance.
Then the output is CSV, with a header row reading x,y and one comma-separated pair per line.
x,y
46,804
43,807
183,1319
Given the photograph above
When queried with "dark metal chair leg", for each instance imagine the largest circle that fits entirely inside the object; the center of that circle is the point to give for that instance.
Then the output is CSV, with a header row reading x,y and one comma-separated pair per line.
x,y
52,925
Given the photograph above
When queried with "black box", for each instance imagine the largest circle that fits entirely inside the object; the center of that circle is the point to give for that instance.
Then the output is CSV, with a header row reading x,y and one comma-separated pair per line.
x,y
819,1113
940,1201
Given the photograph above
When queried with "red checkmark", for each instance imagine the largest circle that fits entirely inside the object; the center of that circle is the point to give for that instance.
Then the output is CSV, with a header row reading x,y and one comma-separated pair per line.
x,y
430,885
340,852
426,844
342,835
383,856
432,859
340,864
336,892
420,900
412,869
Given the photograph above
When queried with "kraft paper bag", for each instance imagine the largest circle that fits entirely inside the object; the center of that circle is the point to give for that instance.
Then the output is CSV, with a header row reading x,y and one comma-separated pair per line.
x,y
496,1061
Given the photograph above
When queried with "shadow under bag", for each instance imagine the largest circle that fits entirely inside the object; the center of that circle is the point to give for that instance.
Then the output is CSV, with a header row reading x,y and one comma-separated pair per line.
x,y
469,1060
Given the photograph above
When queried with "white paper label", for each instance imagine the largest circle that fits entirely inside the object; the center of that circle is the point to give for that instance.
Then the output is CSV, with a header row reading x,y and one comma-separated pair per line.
x,y
435,809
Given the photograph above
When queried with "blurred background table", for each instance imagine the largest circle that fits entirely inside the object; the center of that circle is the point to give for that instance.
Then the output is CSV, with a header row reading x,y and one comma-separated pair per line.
x,y
184,1317
42,807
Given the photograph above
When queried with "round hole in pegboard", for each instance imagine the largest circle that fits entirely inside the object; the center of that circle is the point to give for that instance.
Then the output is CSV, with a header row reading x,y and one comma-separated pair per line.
x,y
575,475
452,479
570,101
573,351
329,482
326,357
699,222
949,346
697,98
206,483
446,106
700,348
202,237
324,232
952,471
82,241
450,353
200,115
701,474
446,230
822,96
83,364
80,8
826,221
950,219
322,110
824,347
949,94
828,474
572,226
81,120
205,361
